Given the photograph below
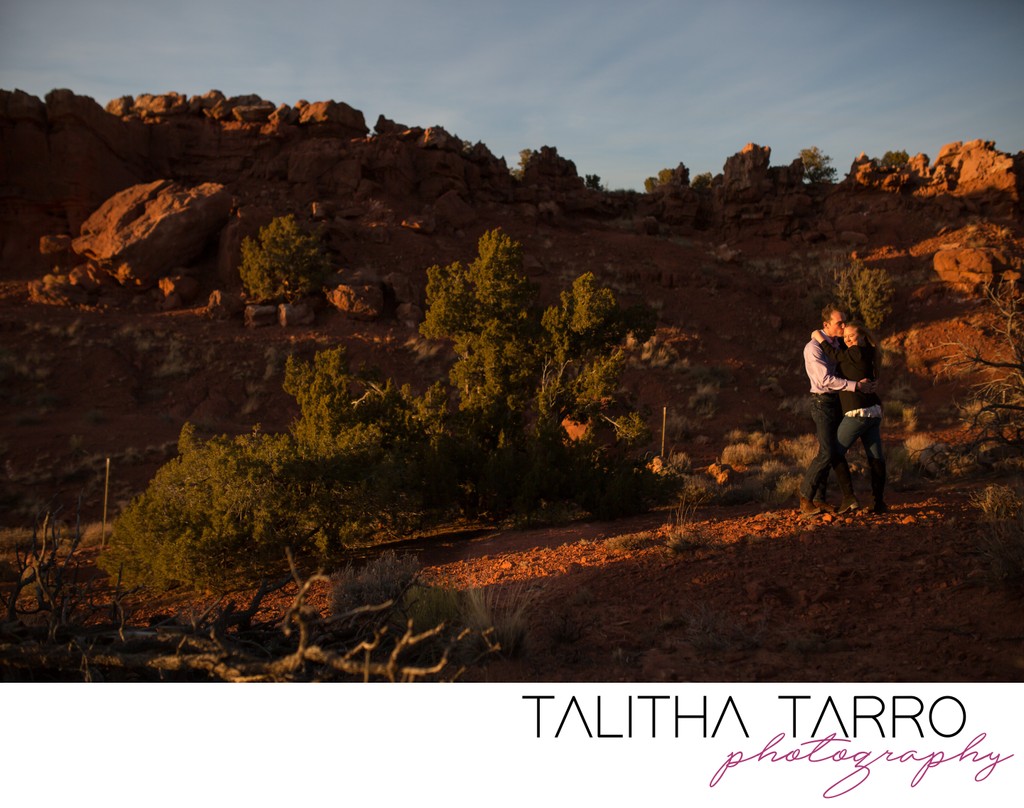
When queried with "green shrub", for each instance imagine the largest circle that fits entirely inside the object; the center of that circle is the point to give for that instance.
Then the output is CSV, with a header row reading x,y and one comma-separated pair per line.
x,y
520,372
895,159
366,460
866,293
702,182
219,513
355,468
873,289
487,310
284,262
666,177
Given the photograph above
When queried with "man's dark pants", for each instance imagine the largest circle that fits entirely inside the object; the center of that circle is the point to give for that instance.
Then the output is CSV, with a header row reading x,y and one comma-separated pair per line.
x,y
827,414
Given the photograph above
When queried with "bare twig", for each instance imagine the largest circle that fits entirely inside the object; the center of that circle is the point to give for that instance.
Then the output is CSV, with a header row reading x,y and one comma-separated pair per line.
x,y
997,411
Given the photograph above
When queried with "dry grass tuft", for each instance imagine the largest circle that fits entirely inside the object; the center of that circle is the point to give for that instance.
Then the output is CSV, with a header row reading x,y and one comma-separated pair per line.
x,y
430,606
631,542
503,612
747,450
704,401
1001,540
383,580
685,532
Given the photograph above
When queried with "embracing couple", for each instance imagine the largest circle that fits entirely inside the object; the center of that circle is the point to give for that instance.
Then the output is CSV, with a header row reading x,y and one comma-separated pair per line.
x,y
841,363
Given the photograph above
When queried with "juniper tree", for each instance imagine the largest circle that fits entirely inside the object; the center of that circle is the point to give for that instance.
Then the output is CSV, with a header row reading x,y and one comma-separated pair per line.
x,y
283,262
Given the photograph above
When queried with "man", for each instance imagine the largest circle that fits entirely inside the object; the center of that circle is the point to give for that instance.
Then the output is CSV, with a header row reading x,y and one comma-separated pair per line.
x,y
826,412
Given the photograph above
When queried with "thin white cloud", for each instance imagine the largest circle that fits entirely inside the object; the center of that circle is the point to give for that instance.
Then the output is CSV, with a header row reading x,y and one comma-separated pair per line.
x,y
621,89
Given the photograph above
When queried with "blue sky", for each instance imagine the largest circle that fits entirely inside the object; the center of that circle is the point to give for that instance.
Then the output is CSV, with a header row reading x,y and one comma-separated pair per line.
x,y
621,88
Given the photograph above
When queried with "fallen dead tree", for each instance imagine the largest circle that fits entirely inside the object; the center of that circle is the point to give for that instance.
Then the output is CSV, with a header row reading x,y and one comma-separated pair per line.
x,y
56,638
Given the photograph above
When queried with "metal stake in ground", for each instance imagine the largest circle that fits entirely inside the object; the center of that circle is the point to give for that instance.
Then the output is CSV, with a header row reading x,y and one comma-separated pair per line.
x,y
106,492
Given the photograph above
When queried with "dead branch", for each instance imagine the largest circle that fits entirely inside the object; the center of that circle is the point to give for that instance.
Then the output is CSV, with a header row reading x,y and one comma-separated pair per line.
x,y
227,645
996,412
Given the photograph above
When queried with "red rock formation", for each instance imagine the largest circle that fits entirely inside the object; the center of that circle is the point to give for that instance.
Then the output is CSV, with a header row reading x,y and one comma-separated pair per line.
x,y
754,199
970,269
64,158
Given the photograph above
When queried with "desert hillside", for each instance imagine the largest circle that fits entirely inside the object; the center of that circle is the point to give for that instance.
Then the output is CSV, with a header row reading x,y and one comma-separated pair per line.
x,y
123,317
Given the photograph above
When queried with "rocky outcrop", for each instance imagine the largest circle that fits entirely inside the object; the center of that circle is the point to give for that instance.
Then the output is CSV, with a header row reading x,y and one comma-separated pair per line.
x,y
66,157
546,170
874,203
341,115
550,190
142,233
745,177
970,269
752,198
985,179
250,109
223,305
674,202
62,158
178,290
359,301
966,178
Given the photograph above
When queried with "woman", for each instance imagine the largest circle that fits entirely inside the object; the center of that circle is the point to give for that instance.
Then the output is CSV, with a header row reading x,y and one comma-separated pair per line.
x,y
862,411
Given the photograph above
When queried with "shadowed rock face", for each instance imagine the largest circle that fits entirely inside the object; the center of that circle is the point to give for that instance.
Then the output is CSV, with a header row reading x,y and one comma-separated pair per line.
x,y
107,177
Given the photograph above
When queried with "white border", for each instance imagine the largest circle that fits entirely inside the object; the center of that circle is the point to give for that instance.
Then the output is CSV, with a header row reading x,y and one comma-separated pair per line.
x,y
457,744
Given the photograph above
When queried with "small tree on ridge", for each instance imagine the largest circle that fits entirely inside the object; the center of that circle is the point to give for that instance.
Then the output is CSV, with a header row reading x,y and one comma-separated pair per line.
x,y
817,166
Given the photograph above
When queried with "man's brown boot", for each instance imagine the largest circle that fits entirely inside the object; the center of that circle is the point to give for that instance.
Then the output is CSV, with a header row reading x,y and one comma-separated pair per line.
x,y
808,508
848,505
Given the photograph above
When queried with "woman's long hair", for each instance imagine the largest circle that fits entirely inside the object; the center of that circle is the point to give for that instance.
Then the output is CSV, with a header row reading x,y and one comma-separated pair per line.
x,y
866,337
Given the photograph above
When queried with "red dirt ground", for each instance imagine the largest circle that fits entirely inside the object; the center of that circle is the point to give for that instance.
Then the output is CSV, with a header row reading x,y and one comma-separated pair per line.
x,y
904,596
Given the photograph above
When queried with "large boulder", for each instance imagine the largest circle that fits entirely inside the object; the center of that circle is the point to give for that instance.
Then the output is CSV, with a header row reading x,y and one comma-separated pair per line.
x,y
149,106
361,301
337,113
970,269
143,232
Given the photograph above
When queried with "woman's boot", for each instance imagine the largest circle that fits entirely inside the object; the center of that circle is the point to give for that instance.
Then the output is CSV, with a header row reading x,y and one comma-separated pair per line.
x,y
842,470
877,469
